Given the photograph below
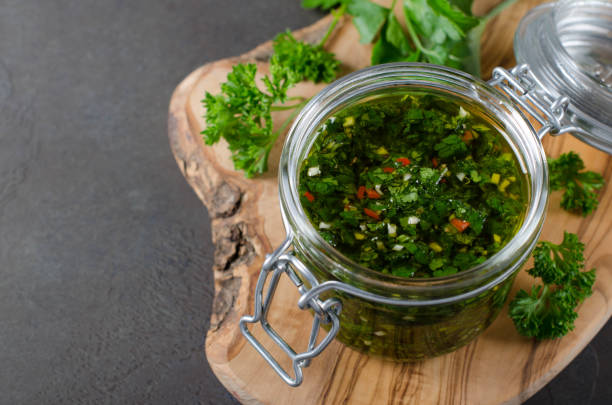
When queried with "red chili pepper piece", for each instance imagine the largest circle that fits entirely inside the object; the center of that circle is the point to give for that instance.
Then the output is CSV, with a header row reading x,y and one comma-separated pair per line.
x,y
459,224
467,136
371,213
434,161
372,194
443,180
361,192
404,161
388,169
309,196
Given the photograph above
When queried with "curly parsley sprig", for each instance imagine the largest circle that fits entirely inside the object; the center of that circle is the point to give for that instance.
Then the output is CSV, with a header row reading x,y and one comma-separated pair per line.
x,y
242,113
567,172
549,311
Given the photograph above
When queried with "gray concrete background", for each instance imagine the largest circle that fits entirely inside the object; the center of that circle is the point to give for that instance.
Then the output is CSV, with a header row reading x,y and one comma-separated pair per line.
x,y
105,252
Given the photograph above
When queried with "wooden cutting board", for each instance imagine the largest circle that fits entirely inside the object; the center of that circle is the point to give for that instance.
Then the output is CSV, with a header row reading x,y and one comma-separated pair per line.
x,y
498,367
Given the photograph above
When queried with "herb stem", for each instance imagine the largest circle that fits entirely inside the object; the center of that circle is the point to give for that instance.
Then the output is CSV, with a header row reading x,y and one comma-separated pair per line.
x,y
543,296
337,15
416,41
290,118
286,107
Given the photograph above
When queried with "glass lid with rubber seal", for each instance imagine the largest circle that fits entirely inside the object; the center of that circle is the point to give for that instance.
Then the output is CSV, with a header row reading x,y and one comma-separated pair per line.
x,y
568,48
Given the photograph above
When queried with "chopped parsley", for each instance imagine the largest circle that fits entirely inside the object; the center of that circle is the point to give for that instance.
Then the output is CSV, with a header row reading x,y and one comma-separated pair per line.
x,y
413,185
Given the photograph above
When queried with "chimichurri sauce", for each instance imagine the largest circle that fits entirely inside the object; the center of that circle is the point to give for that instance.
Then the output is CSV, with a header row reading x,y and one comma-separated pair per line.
x,y
413,185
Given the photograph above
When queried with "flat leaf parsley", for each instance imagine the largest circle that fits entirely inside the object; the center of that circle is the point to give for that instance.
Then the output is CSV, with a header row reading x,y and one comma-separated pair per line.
x,y
443,32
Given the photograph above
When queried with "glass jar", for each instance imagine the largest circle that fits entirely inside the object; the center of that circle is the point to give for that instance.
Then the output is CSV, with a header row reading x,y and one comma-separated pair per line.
x,y
401,318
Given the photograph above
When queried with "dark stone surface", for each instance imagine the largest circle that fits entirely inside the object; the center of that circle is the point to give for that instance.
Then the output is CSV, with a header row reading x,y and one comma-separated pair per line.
x,y
105,252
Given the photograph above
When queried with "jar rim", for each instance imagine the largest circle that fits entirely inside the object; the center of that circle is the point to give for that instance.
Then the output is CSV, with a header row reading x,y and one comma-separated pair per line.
x,y
412,76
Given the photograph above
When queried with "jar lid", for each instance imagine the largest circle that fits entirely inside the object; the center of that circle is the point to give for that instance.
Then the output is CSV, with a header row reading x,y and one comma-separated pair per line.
x,y
568,47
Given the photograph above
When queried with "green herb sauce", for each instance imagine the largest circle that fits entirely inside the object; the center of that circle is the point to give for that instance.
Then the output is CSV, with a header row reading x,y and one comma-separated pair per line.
x,y
413,185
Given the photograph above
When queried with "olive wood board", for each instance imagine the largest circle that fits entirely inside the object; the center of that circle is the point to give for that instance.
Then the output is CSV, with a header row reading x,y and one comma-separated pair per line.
x,y
499,367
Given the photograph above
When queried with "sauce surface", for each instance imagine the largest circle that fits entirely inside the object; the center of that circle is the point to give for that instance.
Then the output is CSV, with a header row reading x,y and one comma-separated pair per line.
x,y
413,185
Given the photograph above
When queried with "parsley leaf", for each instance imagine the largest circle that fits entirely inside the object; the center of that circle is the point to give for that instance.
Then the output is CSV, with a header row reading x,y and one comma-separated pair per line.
x,y
567,172
393,46
548,311
506,208
439,30
443,32
463,5
294,61
451,146
324,4
368,18
242,113
461,20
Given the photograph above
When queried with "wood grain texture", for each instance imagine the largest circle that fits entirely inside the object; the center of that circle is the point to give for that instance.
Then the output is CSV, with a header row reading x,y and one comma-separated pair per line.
x,y
498,367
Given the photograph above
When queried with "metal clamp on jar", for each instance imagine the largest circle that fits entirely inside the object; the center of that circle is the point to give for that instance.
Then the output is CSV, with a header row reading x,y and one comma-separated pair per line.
x,y
564,81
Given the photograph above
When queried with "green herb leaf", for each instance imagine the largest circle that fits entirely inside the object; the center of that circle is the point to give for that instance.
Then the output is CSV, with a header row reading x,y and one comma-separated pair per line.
x,y
566,172
324,4
451,146
548,311
242,113
441,32
368,18
462,21
463,5
294,61
447,271
392,44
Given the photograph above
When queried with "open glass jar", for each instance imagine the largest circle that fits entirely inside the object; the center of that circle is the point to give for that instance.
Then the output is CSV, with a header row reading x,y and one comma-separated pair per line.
x,y
409,318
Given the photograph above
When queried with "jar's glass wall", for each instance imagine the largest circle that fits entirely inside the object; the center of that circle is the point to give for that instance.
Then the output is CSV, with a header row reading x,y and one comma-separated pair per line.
x,y
403,333
412,332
